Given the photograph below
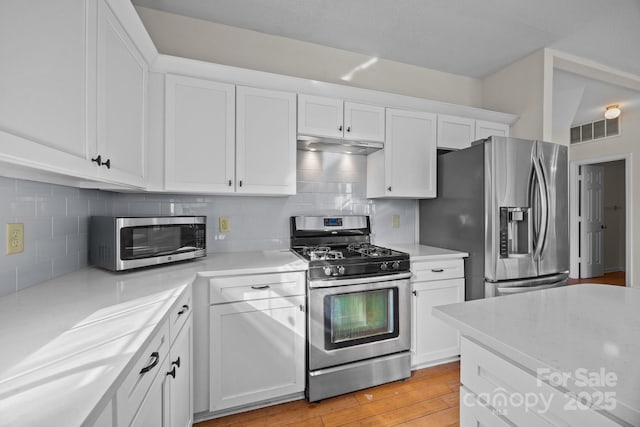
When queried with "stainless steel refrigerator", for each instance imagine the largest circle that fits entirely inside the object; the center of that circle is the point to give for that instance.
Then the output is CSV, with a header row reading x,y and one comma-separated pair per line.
x,y
505,201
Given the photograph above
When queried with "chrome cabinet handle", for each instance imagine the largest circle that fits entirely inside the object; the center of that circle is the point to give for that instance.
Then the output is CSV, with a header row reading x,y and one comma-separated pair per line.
x,y
437,270
156,358
172,372
260,287
185,308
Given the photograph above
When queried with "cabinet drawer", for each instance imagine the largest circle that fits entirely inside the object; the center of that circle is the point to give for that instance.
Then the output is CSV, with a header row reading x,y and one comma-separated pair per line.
x,y
474,413
131,393
179,314
437,270
502,383
259,286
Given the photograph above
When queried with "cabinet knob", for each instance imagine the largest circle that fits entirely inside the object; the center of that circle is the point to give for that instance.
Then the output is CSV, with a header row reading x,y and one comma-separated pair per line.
x,y
177,362
348,128
340,128
240,183
98,160
172,372
389,188
107,163
415,293
230,183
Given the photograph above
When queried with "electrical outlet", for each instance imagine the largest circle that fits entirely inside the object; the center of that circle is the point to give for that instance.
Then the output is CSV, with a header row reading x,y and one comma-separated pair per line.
x,y
15,238
395,221
225,224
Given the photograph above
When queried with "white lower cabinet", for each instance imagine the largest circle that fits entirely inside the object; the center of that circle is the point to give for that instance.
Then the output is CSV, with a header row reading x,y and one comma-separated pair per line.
x,y
434,283
257,347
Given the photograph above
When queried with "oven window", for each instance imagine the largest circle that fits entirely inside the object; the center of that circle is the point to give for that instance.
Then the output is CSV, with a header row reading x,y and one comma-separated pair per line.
x,y
360,317
158,240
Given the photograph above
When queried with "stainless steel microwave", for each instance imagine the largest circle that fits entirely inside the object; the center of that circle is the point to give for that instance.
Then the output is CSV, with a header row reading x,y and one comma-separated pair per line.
x,y
122,243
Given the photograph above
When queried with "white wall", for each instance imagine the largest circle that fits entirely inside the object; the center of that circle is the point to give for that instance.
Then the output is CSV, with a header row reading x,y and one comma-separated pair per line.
x,y
522,88
198,39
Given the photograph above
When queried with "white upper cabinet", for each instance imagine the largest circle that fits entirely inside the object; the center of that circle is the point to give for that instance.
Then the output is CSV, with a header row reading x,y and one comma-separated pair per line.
x,y
363,122
43,85
455,132
320,116
335,118
200,135
121,109
487,129
221,139
265,141
406,167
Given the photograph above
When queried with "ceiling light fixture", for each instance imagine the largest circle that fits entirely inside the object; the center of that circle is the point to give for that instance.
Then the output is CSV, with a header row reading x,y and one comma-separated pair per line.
x,y
612,111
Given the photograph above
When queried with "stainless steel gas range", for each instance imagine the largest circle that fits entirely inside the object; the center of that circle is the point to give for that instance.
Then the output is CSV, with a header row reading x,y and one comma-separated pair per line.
x,y
358,321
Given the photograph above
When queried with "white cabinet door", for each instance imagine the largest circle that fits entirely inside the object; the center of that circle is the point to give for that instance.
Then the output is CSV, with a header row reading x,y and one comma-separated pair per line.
x,y
257,351
320,116
487,129
181,378
432,339
455,132
154,410
266,141
406,167
121,93
44,77
363,122
199,135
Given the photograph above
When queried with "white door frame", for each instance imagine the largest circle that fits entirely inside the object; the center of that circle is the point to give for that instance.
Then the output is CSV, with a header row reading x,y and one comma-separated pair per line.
x,y
574,242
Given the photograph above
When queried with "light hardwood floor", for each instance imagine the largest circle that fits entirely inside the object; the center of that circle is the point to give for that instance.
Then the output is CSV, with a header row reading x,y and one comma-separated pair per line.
x,y
615,278
428,398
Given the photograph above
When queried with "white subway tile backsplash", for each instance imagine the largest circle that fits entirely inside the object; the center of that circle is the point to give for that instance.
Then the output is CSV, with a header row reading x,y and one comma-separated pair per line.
x,y
56,217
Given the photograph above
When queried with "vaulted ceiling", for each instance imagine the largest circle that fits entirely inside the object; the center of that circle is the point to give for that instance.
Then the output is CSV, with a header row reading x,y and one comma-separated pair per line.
x,y
467,37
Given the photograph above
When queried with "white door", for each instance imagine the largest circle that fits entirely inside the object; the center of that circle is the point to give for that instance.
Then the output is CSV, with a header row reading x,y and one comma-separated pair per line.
x,y
257,351
199,135
180,379
592,221
320,116
410,154
363,122
265,141
455,132
121,109
45,71
432,339
487,129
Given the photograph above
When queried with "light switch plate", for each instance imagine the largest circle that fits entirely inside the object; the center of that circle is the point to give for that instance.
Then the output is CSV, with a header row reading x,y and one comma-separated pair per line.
x,y
15,238
395,221
225,224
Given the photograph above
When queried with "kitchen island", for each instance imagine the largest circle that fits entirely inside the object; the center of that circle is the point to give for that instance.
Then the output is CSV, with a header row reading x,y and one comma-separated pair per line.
x,y
563,356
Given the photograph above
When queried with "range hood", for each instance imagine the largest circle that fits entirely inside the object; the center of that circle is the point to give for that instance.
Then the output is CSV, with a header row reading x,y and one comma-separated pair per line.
x,y
337,145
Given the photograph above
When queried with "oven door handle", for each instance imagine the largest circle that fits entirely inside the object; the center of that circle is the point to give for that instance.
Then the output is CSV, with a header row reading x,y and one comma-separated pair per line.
x,y
330,283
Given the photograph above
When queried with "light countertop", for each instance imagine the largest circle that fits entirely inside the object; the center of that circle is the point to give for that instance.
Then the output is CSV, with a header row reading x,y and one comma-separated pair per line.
x,y
563,329
71,338
419,252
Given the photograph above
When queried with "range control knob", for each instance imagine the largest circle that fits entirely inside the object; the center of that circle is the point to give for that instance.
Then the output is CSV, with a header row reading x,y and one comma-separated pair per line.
x,y
395,265
384,266
340,269
327,271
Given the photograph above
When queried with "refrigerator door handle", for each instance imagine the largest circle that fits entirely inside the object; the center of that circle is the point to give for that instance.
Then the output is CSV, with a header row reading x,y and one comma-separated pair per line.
x,y
519,289
544,208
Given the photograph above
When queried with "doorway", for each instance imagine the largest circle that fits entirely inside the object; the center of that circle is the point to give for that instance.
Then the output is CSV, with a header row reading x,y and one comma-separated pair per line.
x,y
600,221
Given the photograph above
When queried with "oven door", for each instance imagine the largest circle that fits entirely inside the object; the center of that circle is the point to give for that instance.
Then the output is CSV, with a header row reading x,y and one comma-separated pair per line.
x,y
358,319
